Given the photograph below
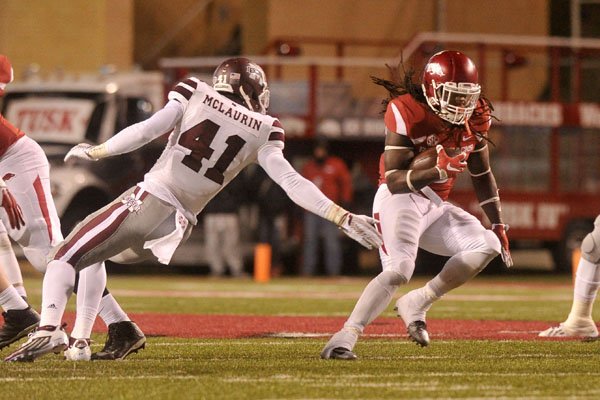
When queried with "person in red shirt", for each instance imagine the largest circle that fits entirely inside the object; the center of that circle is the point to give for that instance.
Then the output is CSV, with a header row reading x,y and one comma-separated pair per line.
x,y
445,113
24,169
330,174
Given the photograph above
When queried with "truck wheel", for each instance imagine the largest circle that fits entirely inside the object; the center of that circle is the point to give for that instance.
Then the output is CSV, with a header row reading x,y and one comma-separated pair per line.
x,y
572,238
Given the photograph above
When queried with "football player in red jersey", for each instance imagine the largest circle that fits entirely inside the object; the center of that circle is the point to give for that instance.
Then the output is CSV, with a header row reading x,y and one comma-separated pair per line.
x,y
25,171
446,113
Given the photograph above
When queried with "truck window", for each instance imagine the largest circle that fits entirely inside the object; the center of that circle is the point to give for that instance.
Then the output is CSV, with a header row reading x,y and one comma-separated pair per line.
x,y
133,110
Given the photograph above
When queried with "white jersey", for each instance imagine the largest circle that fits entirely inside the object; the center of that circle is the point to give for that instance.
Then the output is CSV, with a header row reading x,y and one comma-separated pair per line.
x,y
214,140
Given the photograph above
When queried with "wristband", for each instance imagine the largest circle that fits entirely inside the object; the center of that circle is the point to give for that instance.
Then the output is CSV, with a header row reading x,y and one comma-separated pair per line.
x,y
490,200
388,147
505,226
480,174
336,214
409,183
97,152
479,149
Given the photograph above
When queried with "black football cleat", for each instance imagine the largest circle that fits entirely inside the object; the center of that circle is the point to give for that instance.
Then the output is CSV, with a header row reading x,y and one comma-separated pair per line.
x,y
123,338
338,353
17,324
417,332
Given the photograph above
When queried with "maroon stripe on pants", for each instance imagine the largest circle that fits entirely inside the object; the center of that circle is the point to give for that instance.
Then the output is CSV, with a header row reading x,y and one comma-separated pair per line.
x,y
102,236
43,203
97,220
98,239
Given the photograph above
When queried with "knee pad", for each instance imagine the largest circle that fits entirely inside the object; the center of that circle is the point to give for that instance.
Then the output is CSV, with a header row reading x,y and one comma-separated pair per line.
x,y
590,247
392,277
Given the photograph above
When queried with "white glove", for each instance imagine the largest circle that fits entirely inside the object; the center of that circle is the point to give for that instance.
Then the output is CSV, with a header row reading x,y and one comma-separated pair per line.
x,y
80,151
363,229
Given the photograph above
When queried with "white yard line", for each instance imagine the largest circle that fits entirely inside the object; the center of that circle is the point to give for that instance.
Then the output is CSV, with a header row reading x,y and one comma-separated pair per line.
x,y
321,295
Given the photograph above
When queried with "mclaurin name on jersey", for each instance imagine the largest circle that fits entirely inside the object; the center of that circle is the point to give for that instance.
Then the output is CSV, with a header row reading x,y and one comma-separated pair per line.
x,y
231,113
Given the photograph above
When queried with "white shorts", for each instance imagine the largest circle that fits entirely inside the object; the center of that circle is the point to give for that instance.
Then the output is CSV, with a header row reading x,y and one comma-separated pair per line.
x,y
409,221
24,167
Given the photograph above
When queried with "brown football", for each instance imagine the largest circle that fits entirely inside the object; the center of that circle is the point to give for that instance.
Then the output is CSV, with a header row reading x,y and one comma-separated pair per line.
x,y
428,158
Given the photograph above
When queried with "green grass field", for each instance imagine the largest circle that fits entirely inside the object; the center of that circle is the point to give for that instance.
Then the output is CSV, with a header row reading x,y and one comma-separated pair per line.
x,y
284,368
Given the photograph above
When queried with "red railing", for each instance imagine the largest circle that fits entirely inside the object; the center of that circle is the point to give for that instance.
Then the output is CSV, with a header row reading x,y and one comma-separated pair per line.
x,y
513,49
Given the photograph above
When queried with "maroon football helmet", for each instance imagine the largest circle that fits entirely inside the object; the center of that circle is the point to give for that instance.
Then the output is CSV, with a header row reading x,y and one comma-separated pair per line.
x,y
245,79
450,85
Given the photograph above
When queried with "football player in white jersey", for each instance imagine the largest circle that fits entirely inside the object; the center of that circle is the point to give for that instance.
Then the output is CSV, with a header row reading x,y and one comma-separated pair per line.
x,y
579,322
216,131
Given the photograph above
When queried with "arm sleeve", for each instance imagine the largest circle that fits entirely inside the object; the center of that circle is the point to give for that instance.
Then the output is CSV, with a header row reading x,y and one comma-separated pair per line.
x,y
137,135
302,191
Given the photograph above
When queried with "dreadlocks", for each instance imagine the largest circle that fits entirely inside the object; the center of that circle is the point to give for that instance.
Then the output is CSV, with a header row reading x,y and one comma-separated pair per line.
x,y
400,82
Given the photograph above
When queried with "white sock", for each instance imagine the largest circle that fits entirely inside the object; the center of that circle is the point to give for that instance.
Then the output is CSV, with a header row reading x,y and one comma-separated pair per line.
x,y
8,262
10,300
20,288
373,301
92,281
110,311
57,288
587,282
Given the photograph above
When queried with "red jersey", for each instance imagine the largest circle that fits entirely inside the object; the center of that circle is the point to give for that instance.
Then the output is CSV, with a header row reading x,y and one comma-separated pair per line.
x,y
9,134
332,178
407,116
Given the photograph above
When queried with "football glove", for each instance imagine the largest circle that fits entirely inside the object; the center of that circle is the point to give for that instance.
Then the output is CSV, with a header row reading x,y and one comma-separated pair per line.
x,y
363,229
449,166
500,231
80,151
15,215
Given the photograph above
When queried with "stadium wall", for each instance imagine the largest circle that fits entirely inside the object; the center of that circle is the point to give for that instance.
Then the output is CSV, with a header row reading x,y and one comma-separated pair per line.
x,y
78,35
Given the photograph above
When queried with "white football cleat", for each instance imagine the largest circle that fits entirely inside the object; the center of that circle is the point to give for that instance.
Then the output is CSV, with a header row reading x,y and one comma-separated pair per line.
x,y
79,350
587,329
412,308
46,339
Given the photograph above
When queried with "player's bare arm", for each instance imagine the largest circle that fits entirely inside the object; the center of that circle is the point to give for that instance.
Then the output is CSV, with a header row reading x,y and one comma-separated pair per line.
x,y
486,190
484,182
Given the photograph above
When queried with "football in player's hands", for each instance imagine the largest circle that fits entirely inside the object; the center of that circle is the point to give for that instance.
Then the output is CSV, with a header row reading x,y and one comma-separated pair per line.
x,y
424,160
428,158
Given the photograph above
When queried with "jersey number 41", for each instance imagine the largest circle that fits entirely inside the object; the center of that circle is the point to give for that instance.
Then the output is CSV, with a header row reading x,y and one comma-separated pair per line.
x,y
198,139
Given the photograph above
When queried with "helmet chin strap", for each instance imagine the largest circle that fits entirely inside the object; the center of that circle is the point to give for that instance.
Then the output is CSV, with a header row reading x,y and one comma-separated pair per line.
x,y
246,98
